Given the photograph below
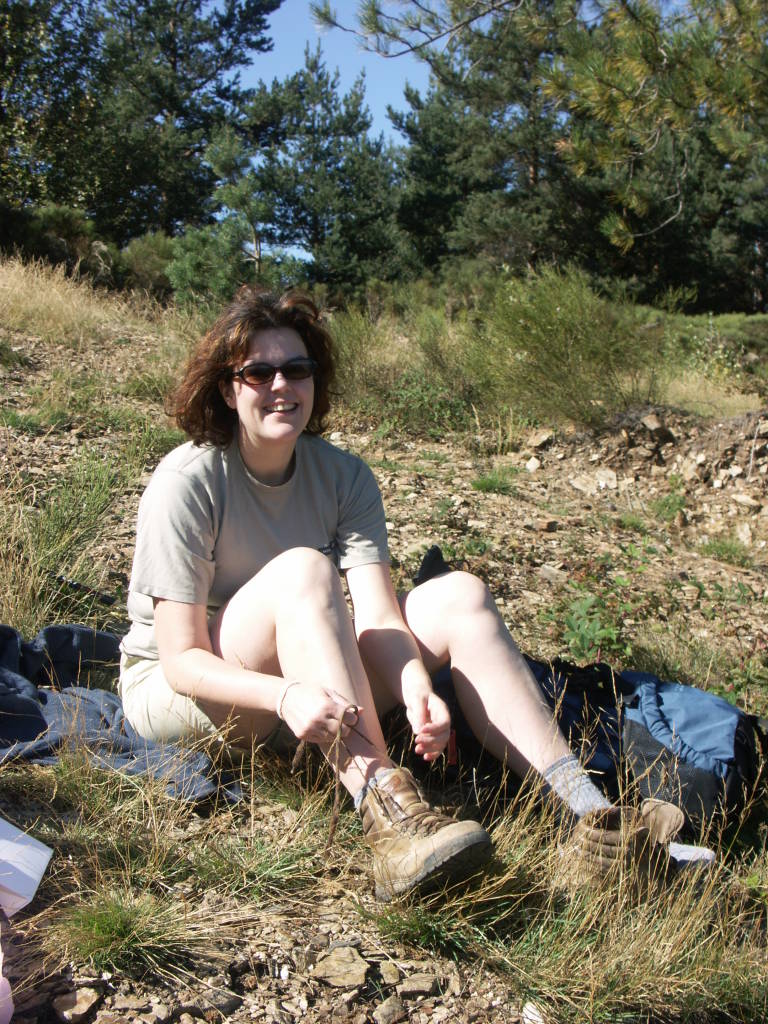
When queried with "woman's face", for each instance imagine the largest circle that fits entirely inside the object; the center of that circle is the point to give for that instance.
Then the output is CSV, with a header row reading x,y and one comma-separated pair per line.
x,y
271,415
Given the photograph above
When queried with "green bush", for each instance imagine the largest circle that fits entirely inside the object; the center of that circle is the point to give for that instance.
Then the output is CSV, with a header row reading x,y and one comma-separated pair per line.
x,y
556,350
143,264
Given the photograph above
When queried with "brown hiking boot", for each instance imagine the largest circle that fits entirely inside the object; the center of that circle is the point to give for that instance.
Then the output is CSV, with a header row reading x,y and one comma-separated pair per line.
x,y
413,844
609,842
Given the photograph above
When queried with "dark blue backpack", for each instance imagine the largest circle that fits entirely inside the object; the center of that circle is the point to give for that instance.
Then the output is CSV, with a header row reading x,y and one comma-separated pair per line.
x,y
675,742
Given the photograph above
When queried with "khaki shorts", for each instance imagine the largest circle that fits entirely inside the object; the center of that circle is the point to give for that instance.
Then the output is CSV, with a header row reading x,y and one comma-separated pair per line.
x,y
157,712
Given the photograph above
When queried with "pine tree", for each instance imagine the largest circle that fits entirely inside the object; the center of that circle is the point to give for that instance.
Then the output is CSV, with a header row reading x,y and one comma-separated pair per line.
x,y
328,184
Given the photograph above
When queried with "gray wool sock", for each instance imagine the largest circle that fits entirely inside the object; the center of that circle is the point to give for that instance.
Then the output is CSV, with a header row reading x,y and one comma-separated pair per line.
x,y
381,776
573,785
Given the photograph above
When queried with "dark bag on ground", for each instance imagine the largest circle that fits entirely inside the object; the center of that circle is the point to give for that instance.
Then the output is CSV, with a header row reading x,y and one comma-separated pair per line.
x,y
673,742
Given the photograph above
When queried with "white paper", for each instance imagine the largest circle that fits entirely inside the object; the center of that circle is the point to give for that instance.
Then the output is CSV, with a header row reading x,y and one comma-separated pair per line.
x,y
23,861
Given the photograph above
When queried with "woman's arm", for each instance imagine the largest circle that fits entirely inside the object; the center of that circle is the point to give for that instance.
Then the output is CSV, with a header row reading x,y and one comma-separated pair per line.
x,y
391,654
224,688
192,669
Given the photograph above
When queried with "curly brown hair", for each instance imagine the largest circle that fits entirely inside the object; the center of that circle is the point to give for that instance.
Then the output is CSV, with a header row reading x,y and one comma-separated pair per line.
x,y
198,405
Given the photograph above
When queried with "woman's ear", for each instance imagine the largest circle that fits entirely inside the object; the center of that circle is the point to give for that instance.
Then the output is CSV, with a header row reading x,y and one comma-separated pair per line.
x,y
228,393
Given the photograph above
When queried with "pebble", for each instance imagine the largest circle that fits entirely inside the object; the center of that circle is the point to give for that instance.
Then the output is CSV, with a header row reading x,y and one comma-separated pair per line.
x,y
342,967
422,984
73,1007
390,1011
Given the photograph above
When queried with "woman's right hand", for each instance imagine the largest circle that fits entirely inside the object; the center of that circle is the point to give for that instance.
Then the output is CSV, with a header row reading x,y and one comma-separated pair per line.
x,y
313,712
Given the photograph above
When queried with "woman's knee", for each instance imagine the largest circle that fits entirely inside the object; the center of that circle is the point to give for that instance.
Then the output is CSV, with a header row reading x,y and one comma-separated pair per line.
x,y
305,575
461,594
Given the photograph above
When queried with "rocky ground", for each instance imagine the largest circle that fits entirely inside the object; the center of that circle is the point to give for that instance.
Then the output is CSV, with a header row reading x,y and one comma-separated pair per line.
x,y
662,521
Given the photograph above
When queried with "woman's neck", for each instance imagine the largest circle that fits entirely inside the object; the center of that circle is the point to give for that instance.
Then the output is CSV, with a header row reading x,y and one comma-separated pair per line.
x,y
269,464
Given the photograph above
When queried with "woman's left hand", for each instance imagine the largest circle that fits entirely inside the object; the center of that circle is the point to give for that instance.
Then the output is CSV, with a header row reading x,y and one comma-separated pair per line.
x,y
431,724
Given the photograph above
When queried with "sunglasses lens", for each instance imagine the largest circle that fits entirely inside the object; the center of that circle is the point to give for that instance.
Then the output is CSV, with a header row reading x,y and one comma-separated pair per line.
x,y
299,369
258,373
262,373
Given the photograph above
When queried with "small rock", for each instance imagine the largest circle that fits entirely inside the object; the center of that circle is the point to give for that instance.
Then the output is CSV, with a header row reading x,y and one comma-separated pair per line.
x,y
73,1007
746,500
390,1011
422,984
584,483
744,533
220,1003
390,974
542,438
533,464
606,478
552,574
132,1003
735,471
336,435
274,1014
342,967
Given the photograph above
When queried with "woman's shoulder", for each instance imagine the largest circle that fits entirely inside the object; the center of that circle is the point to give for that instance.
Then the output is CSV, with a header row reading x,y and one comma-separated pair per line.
x,y
192,460
189,471
324,456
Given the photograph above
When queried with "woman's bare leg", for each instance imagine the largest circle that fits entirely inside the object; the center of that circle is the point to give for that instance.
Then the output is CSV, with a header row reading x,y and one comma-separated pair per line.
x,y
454,617
291,620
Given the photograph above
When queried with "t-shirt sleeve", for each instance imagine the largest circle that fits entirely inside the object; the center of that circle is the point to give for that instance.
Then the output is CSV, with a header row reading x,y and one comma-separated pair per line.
x,y
174,540
362,529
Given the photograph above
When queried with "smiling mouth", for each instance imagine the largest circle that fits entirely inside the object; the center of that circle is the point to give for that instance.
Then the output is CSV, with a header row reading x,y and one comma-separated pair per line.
x,y
282,407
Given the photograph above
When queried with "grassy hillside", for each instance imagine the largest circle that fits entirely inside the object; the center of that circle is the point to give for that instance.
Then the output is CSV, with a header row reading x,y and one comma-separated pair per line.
x,y
619,544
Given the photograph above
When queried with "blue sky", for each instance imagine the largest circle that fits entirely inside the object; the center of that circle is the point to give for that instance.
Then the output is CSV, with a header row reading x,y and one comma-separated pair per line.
x,y
291,27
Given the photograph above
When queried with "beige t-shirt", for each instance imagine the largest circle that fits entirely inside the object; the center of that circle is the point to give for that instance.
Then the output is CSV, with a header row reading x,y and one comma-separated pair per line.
x,y
206,526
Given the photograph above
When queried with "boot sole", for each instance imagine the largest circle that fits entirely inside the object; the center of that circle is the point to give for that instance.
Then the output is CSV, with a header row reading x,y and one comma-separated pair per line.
x,y
441,866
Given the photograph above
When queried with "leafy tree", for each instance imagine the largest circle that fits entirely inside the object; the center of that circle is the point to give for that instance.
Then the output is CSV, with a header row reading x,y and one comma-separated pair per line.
x,y
483,176
145,87
46,54
329,187
634,121
434,187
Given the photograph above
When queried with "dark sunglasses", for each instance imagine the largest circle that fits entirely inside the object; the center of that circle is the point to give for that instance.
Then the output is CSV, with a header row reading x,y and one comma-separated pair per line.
x,y
264,373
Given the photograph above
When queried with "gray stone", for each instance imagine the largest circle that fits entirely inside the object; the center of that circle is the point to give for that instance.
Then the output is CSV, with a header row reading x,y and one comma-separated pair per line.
x,y
552,574
73,1007
132,1003
342,967
606,478
390,973
746,500
533,464
541,438
744,533
390,1011
585,483
422,984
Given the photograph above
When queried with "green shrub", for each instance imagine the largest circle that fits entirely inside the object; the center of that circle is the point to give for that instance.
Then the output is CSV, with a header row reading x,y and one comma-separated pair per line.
x,y
419,404
143,263
498,481
554,349
727,549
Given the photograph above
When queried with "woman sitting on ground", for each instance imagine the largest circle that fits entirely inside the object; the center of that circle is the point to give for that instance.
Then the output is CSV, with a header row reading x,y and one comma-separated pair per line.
x,y
240,628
